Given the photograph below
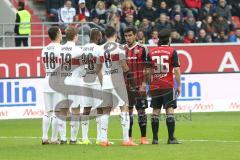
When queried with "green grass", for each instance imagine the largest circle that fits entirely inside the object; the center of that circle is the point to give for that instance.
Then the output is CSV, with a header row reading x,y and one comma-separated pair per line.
x,y
222,128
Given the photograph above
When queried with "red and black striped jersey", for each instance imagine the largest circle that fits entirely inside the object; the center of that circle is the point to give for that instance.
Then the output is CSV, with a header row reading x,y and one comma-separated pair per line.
x,y
136,60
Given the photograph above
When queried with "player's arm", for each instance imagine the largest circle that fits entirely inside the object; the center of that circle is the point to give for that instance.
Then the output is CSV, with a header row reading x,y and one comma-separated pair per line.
x,y
99,73
177,72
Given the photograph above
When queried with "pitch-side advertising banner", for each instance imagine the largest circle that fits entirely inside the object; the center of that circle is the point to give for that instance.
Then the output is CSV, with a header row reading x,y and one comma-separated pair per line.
x,y
19,63
23,98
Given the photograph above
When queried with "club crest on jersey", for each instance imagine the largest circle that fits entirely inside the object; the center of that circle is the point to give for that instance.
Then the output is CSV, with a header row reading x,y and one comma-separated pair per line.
x,y
136,51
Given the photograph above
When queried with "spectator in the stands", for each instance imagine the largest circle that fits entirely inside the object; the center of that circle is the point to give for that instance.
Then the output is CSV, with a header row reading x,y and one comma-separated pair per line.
x,y
162,22
175,37
203,37
190,37
221,37
148,11
141,37
235,37
128,22
100,11
193,7
176,10
162,8
83,11
214,3
66,14
139,3
128,7
146,27
84,31
154,39
22,27
235,7
97,23
224,10
178,24
115,22
221,24
207,10
208,25
190,24
52,7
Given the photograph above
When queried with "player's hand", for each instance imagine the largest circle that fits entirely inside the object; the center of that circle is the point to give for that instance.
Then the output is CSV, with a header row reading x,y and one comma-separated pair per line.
x,y
142,89
178,91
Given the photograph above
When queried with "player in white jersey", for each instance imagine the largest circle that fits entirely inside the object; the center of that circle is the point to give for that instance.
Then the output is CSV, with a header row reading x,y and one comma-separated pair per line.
x,y
92,94
114,94
72,71
51,97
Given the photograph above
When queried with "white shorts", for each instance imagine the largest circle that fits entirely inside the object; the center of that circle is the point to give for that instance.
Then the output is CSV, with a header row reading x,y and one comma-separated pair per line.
x,y
52,101
115,97
92,96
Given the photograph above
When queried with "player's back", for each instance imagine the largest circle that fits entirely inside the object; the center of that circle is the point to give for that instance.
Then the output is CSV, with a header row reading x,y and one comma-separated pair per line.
x,y
111,59
50,61
70,56
90,56
161,58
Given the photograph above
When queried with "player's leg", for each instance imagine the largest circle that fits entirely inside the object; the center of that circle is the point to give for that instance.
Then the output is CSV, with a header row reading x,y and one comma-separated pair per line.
x,y
170,104
141,105
85,124
75,116
156,104
46,121
98,121
132,101
63,106
106,109
122,99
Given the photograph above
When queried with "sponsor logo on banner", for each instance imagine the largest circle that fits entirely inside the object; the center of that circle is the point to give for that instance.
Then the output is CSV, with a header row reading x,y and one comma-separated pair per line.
x,y
16,94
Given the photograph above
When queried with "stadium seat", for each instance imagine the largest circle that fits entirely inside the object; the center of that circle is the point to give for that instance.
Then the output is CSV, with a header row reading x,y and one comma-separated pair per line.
x,y
236,21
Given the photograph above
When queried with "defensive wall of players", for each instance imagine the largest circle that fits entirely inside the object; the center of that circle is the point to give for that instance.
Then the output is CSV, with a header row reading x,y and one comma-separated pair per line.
x,y
210,76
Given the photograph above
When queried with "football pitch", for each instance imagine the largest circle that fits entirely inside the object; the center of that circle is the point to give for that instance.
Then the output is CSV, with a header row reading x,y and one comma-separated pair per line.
x,y
207,136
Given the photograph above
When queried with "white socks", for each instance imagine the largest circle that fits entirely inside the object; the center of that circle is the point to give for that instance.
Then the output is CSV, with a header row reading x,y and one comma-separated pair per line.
x,y
125,122
74,127
104,127
54,129
98,121
85,126
46,121
62,127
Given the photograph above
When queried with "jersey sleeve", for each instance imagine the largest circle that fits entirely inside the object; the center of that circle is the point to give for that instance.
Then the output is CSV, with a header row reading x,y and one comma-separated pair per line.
x,y
122,53
175,59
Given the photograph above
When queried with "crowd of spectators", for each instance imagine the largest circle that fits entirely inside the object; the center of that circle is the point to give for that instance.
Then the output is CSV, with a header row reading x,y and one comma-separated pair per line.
x,y
191,21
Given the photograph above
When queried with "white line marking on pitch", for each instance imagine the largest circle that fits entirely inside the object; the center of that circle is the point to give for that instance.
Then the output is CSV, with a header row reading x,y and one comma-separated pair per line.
x,y
115,139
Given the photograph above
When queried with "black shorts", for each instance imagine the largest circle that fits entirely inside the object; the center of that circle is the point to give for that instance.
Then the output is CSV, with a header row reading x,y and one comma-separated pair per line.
x,y
137,101
163,98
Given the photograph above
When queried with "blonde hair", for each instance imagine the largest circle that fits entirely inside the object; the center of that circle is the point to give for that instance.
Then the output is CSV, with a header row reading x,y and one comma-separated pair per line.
x,y
125,2
99,3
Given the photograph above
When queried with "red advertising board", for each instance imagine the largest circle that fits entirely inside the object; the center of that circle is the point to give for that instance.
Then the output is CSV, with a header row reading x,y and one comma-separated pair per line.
x,y
15,63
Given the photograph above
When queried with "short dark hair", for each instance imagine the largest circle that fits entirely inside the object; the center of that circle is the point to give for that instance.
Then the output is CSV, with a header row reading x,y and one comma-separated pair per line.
x,y
130,29
164,36
71,32
95,35
53,32
110,31
21,5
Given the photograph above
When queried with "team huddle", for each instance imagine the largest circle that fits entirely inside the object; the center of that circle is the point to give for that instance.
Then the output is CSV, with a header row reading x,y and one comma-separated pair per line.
x,y
98,78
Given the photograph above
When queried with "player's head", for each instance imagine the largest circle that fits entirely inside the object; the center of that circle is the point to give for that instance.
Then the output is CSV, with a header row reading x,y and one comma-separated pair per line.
x,y
164,37
55,34
111,33
95,36
72,34
130,35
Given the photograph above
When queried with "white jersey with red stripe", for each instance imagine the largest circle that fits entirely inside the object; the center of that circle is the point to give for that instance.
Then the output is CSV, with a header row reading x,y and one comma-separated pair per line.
x,y
112,70
50,61
70,57
90,57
